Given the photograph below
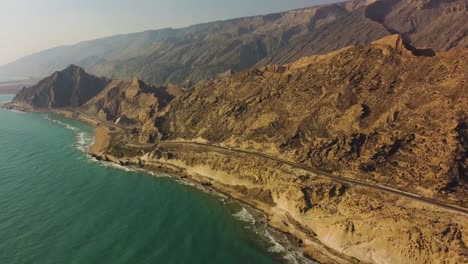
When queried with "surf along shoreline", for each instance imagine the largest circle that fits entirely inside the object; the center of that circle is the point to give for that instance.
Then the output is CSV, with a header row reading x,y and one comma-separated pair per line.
x,y
317,235
296,240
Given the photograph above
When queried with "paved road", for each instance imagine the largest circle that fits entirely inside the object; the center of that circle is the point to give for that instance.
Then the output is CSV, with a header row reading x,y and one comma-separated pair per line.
x,y
328,174
127,135
317,171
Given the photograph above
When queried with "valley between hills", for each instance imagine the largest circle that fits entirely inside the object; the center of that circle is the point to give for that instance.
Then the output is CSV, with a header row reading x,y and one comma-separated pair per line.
x,y
346,124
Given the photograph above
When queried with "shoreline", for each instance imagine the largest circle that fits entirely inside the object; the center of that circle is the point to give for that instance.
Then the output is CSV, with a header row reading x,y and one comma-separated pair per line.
x,y
280,220
312,248
289,247
294,243
274,221
333,241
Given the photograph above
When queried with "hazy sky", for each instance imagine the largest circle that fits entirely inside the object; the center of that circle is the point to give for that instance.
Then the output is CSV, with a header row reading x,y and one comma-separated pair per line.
x,y
28,26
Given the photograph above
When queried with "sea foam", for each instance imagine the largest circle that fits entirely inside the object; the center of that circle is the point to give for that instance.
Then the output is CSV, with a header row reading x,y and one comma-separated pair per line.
x,y
245,216
83,139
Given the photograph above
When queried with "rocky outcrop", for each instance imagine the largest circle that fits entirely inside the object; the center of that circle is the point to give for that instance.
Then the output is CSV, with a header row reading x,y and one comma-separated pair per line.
x,y
130,103
71,87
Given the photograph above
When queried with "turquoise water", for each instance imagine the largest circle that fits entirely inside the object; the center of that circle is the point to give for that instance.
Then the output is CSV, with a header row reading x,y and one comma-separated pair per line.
x,y
58,206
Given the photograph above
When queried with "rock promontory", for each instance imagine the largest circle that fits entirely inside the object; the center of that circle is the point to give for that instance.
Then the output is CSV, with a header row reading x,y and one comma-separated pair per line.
x,y
71,87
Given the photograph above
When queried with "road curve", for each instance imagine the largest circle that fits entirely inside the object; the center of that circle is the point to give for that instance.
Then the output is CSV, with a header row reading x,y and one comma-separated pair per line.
x,y
317,171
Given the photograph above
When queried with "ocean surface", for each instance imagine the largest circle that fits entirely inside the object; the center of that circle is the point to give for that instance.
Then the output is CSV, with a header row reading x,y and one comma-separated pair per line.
x,y
59,206
5,79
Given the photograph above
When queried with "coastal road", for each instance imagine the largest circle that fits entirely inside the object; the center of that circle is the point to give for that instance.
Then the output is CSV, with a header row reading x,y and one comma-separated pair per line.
x,y
327,174
316,171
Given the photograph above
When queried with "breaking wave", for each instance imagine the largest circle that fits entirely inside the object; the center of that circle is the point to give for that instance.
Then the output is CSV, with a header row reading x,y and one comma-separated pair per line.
x,y
245,216
17,111
276,247
83,139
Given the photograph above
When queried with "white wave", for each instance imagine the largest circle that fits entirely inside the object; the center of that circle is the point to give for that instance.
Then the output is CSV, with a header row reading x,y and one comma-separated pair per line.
x,y
17,111
114,165
186,182
80,137
67,126
159,175
276,247
83,141
245,216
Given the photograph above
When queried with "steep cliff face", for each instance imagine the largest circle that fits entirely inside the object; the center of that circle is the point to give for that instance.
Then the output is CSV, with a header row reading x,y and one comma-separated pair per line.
x,y
71,87
187,55
376,112
130,102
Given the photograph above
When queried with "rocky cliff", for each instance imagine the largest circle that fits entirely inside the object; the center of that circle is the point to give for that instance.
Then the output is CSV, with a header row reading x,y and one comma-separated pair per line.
x,y
131,102
71,87
187,55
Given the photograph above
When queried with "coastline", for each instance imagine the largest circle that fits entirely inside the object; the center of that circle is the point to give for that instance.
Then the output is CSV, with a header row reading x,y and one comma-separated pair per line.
x,y
293,244
299,238
314,251
322,242
281,242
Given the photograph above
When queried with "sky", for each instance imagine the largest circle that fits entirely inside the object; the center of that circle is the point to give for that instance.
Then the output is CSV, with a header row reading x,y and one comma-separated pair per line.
x,y
28,26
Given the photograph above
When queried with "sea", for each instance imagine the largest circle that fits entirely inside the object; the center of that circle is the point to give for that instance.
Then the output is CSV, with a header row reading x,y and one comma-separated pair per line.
x,y
58,205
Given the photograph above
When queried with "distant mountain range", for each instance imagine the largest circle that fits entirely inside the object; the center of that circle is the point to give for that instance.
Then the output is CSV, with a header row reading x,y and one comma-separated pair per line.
x,y
185,56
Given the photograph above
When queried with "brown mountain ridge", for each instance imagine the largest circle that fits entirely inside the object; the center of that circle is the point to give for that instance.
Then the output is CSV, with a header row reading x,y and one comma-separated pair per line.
x,y
188,55
375,113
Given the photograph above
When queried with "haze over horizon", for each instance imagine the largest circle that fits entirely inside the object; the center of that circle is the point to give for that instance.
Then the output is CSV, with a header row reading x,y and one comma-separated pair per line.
x,y
31,26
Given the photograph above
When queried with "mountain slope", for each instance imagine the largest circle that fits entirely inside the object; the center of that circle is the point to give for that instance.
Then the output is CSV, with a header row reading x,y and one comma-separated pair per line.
x,y
86,54
187,55
360,109
71,87
438,25
130,102
376,113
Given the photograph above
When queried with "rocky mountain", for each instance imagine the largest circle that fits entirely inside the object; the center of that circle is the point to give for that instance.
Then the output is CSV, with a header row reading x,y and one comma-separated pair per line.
x,y
431,25
130,102
71,87
377,112
187,55
383,114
